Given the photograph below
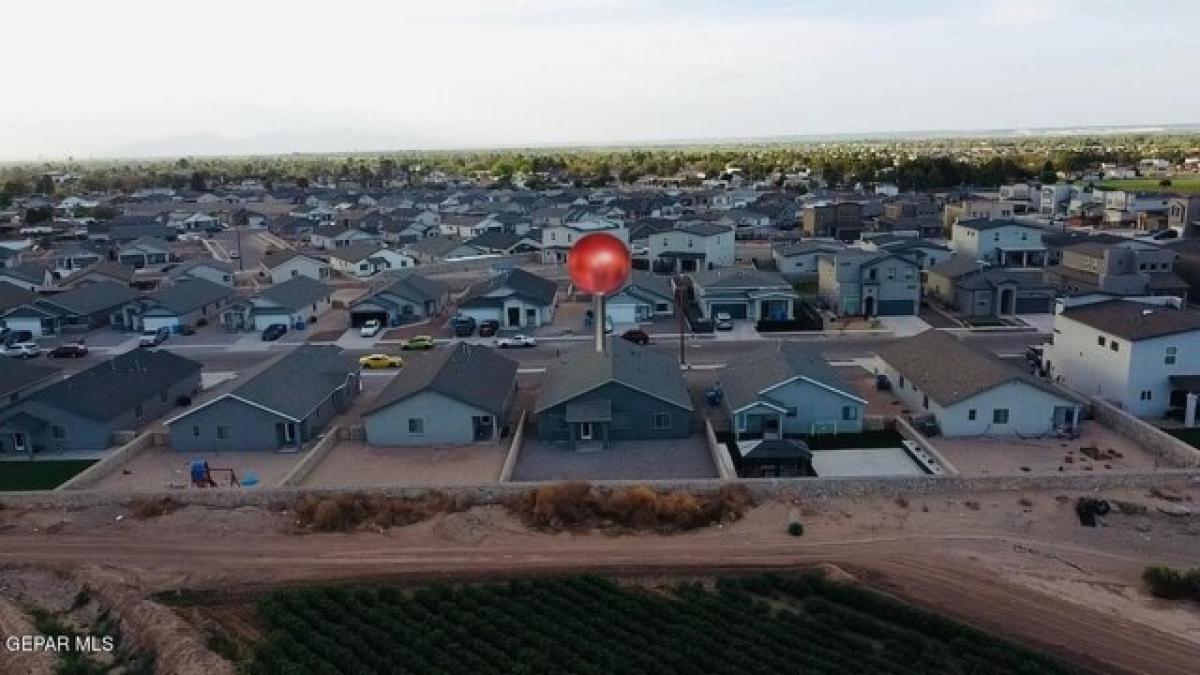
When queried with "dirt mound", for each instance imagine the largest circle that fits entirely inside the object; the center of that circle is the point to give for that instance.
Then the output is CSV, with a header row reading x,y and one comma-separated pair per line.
x,y
14,622
461,528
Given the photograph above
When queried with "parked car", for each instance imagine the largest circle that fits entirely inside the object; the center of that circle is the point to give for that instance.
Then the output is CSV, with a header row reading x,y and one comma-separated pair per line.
x,y
12,336
71,350
274,332
516,341
372,361
370,328
419,342
152,337
22,350
488,328
636,336
723,321
464,326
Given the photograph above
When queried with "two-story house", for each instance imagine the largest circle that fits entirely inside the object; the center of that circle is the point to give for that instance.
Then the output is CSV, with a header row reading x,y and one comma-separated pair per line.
x,y
691,246
1127,267
842,221
1003,243
855,282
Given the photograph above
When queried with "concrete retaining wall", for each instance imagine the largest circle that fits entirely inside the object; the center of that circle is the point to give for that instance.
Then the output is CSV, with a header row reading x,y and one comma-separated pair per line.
x,y
910,432
719,452
310,461
514,450
114,460
1170,450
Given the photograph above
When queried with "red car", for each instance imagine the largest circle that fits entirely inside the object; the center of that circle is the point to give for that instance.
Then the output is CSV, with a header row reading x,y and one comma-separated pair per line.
x,y
637,337
488,328
73,350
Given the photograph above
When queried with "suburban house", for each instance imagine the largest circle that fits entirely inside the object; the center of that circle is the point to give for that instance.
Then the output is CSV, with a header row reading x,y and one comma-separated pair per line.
x,y
645,297
285,405
1126,268
975,290
126,228
83,412
287,264
365,259
13,296
19,378
842,221
177,307
690,247
855,282
557,240
404,300
1003,243
457,395
73,257
103,271
797,260
977,208
330,237
1143,356
432,250
75,311
969,391
208,269
295,302
506,243
743,294
787,389
29,276
193,222
921,251
591,399
465,226
144,252
516,298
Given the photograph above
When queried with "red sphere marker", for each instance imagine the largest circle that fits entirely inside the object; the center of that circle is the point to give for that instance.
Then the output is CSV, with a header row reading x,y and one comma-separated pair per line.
x,y
599,264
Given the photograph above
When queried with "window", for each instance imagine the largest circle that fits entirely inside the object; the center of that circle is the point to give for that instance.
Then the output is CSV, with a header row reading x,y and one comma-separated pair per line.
x,y
57,433
416,426
1000,416
901,381
1147,395
849,413
891,274
1113,345
925,401
138,413
1100,340
196,431
790,411
971,414
222,432
662,420
1169,358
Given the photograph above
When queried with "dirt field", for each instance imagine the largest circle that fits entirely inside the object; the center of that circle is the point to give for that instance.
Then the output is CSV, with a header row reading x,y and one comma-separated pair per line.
x,y
1011,456
354,464
161,468
1016,563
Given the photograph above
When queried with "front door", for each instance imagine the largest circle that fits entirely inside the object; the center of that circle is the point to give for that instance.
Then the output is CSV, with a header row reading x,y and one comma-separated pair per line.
x,y
19,443
514,316
586,433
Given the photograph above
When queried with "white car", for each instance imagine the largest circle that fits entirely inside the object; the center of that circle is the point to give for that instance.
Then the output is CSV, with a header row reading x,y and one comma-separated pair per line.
x,y
723,321
22,350
370,328
153,337
516,341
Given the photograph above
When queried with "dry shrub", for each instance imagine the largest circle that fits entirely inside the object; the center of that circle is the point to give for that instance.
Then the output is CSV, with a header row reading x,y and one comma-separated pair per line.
x,y
143,508
578,505
340,513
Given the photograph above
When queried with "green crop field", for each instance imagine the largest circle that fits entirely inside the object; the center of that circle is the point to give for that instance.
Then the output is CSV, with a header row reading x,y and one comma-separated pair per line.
x,y
39,474
766,624
1186,185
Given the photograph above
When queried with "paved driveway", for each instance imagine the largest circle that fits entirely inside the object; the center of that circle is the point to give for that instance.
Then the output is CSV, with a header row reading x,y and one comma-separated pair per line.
x,y
631,460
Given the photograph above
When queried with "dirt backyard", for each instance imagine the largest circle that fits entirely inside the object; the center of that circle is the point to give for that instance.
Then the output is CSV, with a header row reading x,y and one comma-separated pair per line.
x,y
1016,563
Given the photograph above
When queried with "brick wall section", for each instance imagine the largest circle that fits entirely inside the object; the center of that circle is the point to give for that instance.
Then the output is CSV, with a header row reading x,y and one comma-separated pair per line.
x,y
798,488
113,461
1170,450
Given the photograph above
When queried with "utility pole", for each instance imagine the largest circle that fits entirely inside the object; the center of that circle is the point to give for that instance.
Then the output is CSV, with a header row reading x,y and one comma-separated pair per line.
x,y
679,313
241,264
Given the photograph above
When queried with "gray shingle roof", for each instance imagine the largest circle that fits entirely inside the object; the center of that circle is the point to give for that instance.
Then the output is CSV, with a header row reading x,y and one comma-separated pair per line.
x,y
297,382
738,277
949,370
299,291
410,286
109,389
637,368
1135,320
745,377
356,252
189,265
29,272
473,374
525,285
91,298
190,294
12,295
16,374
434,246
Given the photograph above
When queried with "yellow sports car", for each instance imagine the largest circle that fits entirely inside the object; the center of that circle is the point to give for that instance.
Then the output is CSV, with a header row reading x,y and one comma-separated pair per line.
x,y
381,361
419,342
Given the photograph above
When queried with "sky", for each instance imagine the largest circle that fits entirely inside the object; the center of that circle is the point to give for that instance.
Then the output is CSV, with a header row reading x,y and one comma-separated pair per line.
x,y
163,77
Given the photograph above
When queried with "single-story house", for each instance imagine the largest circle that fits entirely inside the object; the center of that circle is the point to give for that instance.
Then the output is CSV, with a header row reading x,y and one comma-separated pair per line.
x,y
209,269
364,259
330,237
431,250
144,252
297,301
971,392
29,276
281,265
80,309
591,398
287,404
404,300
19,378
645,296
516,298
743,293
82,412
181,305
456,395
105,270
506,243
787,390
973,290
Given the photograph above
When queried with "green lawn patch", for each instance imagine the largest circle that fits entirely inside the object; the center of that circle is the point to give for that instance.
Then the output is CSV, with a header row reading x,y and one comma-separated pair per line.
x,y
1187,185
40,474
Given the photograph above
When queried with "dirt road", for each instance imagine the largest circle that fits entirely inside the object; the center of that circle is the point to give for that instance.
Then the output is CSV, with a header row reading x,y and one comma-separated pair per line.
x,y
963,563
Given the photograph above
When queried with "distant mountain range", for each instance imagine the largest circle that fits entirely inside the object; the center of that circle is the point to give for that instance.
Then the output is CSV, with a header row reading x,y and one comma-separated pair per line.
x,y
274,143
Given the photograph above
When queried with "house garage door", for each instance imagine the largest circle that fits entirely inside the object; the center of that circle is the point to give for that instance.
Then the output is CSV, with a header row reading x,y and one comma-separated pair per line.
x,y
358,318
261,321
896,307
1034,306
171,323
736,310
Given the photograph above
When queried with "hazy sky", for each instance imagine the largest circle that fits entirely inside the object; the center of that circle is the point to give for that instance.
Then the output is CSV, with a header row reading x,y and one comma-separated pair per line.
x,y
87,78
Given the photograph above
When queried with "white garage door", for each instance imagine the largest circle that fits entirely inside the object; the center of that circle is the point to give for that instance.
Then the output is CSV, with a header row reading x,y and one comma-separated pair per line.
x,y
261,321
482,313
33,325
622,313
155,322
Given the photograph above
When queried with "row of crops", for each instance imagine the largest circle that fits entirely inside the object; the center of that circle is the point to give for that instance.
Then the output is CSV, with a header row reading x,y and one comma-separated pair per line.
x,y
766,624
